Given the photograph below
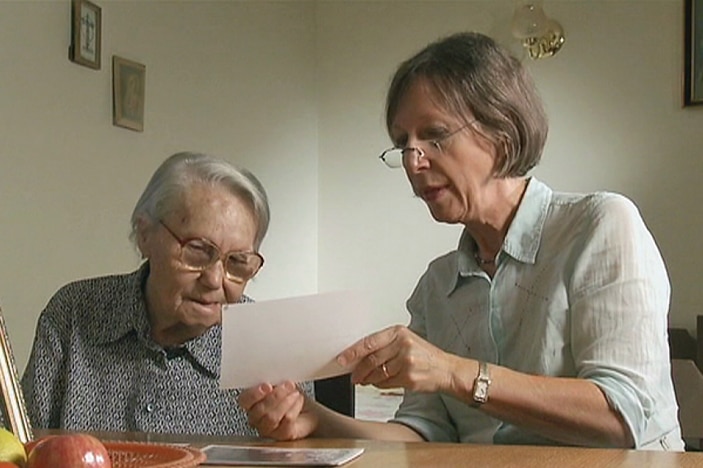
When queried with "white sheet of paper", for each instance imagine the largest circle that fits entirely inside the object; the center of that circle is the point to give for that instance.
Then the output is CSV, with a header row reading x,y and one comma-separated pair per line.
x,y
294,339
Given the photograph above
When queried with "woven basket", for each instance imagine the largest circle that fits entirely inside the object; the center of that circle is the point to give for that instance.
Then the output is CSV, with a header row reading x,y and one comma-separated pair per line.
x,y
147,455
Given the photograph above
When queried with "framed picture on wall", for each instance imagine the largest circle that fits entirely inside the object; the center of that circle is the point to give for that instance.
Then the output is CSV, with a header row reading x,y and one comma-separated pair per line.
x,y
693,59
128,86
85,33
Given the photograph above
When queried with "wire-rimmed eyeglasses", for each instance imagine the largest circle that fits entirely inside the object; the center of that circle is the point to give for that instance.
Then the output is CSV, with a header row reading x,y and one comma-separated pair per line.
x,y
394,157
199,254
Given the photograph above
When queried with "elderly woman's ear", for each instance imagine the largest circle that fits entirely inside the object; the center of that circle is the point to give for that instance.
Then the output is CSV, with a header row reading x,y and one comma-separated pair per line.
x,y
144,230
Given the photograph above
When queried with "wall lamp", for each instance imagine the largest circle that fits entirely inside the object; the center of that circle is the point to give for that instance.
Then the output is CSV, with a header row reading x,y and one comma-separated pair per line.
x,y
540,35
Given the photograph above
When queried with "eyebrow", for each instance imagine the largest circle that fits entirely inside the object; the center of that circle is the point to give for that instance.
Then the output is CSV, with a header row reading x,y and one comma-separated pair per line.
x,y
427,132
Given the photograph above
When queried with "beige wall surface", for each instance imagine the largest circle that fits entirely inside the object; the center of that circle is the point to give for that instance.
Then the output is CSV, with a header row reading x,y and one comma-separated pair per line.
x,y
294,90
236,79
613,94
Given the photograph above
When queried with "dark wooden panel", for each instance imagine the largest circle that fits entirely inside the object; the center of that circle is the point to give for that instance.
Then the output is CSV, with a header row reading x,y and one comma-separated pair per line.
x,y
336,393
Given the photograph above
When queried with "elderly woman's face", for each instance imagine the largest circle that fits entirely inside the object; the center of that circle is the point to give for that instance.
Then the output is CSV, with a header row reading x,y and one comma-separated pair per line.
x,y
189,302
453,181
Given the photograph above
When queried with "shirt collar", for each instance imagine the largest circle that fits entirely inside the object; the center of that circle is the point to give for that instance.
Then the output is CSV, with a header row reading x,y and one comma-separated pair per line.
x,y
204,349
126,312
522,239
525,232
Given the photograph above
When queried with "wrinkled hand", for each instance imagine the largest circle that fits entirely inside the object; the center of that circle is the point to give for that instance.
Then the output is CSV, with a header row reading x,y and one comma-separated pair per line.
x,y
281,412
397,357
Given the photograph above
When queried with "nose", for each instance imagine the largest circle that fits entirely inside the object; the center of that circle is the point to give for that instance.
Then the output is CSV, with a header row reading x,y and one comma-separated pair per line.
x,y
415,159
214,275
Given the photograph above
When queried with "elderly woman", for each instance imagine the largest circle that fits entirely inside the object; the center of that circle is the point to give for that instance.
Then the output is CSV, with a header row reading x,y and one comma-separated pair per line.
x,y
548,323
141,351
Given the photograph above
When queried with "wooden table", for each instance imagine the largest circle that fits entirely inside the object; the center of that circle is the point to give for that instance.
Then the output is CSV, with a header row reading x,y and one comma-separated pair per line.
x,y
420,454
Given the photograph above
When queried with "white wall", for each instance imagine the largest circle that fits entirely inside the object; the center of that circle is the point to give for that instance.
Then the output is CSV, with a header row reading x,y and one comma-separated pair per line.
x,y
236,79
613,94
294,91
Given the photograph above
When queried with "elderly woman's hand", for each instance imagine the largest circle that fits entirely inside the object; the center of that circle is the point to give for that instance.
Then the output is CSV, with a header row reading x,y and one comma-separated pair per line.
x,y
397,357
278,412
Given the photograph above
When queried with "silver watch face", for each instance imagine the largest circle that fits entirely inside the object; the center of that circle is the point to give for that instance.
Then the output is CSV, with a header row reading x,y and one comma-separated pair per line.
x,y
481,393
482,384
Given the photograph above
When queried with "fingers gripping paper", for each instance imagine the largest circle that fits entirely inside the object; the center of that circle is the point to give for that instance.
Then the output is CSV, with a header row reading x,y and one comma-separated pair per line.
x,y
294,339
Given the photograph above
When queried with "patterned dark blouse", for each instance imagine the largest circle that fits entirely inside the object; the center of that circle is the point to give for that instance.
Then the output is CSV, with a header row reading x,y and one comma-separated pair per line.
x,y
93,367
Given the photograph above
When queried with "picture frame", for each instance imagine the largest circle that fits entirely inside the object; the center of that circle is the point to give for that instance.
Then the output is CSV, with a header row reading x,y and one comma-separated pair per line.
x,y
13,407
86,33
693,53
128,86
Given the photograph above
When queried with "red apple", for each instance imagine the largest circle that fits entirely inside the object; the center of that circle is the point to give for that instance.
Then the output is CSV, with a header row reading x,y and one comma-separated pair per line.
x,y
32,443
69,451
6,464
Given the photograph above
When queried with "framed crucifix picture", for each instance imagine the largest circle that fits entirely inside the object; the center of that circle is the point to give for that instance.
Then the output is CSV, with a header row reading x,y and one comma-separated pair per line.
x,y
86,26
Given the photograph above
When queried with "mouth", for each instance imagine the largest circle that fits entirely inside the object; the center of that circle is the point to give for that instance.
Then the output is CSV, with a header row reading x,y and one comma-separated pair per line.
x,y
431,194
211,307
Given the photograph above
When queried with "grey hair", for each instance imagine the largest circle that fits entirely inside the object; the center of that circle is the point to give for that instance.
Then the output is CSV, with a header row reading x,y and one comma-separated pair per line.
x,y
472,75
179,172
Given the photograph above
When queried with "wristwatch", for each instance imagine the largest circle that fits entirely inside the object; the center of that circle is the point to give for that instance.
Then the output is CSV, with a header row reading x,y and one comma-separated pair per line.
x,y
481,385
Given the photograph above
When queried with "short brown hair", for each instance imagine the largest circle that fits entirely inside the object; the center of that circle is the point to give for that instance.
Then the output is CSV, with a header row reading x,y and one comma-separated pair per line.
x,y
473,75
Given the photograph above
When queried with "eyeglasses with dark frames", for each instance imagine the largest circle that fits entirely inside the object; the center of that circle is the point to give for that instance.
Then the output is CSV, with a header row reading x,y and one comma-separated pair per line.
x,y
199,254
395,157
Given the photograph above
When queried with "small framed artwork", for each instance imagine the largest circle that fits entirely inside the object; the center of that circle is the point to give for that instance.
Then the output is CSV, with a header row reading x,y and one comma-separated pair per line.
x,y
13,406
128,86
693,59
85,33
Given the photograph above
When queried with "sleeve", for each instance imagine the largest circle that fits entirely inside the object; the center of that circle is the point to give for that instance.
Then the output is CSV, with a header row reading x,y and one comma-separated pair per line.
x,y
425,413
619,295
307,388
44,375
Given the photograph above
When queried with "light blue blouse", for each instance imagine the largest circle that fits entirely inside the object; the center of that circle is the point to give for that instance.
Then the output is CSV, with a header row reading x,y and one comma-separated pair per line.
x,y
580,291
